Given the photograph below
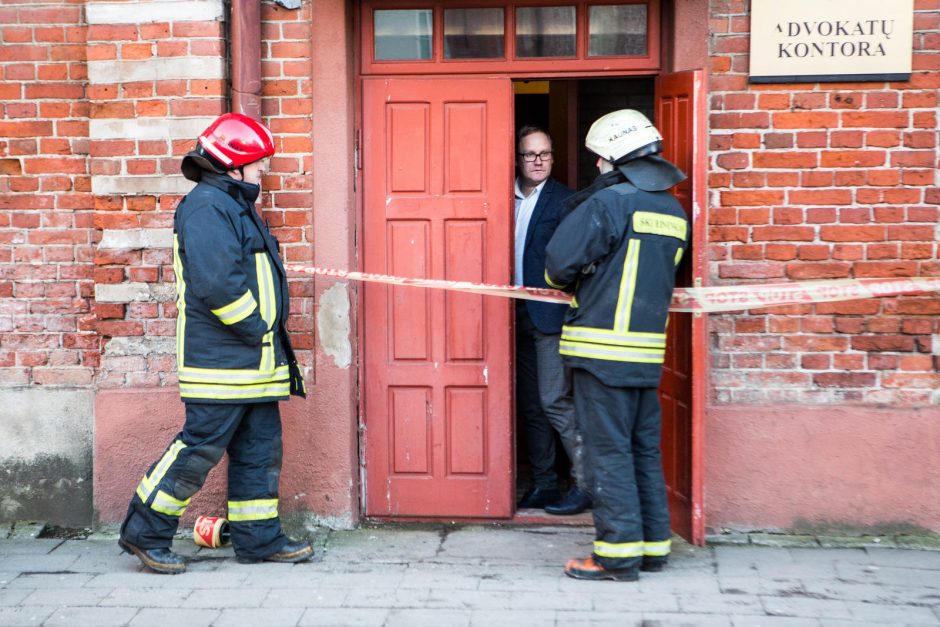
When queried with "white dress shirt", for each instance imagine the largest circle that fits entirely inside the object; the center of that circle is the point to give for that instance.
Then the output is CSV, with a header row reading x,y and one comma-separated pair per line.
x,y
525,205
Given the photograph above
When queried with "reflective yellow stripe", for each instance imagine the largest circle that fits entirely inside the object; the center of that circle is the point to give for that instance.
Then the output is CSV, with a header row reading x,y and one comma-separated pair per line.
x,y
268,306
238,310
612,353
180,301
631,263
659,224
232,392
223,376
624,549
606,336
657,548
148,483
678,255
551,283
258,509
166,504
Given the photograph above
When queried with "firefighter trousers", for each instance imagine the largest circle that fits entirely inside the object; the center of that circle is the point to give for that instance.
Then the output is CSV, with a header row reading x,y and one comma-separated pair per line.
x,y
621,429
251,434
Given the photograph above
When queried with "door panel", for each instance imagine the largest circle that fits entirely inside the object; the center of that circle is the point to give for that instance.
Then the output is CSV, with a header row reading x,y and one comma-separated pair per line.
x,y
437,168
677,102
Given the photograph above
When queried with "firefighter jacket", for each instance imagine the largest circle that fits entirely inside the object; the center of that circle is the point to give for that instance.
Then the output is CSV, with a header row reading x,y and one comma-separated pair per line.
x,y
618,251
231,333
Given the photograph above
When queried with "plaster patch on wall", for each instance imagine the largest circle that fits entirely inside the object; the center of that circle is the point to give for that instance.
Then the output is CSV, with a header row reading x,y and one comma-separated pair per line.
x,y
333,325
46,442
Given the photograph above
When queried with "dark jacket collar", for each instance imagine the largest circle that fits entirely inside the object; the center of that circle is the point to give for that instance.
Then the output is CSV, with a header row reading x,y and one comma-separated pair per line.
x,y
244,193
614,177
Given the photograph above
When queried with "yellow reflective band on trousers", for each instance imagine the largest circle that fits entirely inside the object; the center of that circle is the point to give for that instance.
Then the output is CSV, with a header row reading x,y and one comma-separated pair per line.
x,y
237,310
258,509
233,376
657,549
234,392
151,481
622,550
166,504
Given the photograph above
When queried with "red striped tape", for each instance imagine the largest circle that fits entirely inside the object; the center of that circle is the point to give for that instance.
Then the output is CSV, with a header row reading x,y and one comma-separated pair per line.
x,y
684,299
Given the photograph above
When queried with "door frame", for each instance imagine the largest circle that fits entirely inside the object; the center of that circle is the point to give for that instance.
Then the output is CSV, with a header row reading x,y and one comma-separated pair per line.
x,y
699,334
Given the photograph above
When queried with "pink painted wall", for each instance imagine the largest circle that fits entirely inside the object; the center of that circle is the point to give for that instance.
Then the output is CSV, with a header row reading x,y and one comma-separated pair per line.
x,y
774,466
133,427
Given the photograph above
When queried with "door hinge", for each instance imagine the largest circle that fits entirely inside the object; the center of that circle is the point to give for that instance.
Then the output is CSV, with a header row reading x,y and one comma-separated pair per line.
x,y
357,151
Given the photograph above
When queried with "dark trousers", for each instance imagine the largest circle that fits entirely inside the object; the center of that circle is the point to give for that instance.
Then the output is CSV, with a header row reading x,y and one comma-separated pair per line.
x,y
251,433
621,428
544,401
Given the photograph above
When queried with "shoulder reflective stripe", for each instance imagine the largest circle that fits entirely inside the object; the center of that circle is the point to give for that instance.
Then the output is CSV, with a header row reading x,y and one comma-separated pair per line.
x,y
211,375
231,392
657,548
551,283
258,509
180,301
612,353
624,549
151,481
166,504
237,310
659,224
606,336
631,263
678,255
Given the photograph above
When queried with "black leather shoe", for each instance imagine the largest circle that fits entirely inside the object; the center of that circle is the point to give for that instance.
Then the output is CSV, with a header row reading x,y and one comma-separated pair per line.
x,y
292,552
539,497
574,502
653,564
163,561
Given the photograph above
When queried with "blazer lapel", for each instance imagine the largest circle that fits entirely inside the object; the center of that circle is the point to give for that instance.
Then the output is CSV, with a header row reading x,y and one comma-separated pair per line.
x,y
537,212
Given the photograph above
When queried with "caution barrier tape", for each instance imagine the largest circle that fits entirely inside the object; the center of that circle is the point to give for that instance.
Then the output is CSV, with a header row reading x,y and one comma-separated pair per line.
x,y
684,299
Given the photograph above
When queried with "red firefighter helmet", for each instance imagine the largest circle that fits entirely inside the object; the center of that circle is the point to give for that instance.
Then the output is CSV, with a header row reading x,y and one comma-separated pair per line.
x,y
231,141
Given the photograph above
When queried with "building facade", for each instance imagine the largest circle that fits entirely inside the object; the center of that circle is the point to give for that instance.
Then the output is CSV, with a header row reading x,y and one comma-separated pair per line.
x,y
394,126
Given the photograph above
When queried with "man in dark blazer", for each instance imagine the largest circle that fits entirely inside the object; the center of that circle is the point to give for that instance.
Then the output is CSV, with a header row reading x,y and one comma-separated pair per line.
x,y
543,396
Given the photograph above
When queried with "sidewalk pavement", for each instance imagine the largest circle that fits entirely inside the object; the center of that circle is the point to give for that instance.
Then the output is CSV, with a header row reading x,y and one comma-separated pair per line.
x,y
443,575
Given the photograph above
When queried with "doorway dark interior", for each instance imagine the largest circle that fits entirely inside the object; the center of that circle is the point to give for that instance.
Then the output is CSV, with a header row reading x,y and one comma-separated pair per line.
x,y
567,108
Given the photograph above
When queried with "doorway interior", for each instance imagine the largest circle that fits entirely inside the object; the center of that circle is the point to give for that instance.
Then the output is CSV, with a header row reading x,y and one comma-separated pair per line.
x,y
567,108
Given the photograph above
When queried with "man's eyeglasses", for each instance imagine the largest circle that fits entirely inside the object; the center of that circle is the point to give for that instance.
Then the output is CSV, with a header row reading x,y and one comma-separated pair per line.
x,y
529,157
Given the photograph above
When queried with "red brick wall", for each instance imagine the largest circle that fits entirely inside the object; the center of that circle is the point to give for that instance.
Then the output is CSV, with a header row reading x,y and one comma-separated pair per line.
x,y
139,359
822,181
47,331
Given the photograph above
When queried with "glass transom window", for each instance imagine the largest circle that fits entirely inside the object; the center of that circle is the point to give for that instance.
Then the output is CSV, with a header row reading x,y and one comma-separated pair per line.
x,y
404,35
616,30
474,33
546,32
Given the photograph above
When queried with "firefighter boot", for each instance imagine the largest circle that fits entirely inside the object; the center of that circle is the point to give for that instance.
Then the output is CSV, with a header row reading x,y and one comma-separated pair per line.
x,y
589,569
292,552
163,561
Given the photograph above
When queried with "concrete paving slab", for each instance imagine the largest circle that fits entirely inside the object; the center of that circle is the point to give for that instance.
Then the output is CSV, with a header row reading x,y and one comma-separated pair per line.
x,y
10,598
239,597
64,597
24,616
306,597
90,617
892,614
905,558
382,545
56,581
270,617
802,607
137,596
427,618
515,618
347,617
161,618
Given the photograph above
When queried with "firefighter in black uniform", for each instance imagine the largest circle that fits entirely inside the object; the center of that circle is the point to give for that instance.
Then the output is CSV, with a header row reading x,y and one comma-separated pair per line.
x,y
234,357
617,252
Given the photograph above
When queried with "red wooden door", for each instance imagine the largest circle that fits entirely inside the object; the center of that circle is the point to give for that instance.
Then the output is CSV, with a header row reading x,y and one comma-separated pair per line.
x,y
678,101
437,176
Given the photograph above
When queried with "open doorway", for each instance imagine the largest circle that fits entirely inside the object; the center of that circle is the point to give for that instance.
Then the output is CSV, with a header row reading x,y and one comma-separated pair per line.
x,y
566,109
